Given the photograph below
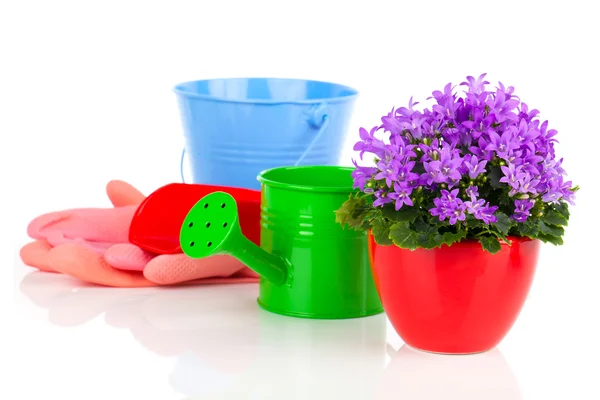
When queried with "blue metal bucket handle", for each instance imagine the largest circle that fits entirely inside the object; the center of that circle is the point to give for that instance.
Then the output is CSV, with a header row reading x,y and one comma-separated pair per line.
x,y
181,165
317,118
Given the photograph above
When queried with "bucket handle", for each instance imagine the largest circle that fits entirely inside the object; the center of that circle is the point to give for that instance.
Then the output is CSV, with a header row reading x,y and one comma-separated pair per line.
x,y
318,118
181,165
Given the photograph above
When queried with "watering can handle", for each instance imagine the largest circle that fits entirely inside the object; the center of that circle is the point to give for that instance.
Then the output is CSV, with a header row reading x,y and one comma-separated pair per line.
x,y
318,119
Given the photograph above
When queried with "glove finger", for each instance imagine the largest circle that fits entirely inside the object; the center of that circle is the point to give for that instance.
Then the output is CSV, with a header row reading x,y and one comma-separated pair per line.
x,y
35,254
108,225
77,261
38,224
121,193
57,238
177,268
127,257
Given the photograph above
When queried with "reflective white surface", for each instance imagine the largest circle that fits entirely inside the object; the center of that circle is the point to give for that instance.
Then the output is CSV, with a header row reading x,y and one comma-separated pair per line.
x,y
213,342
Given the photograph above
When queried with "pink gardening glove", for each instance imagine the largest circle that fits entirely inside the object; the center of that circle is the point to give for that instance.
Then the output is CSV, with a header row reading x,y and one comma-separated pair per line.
x,y
91,244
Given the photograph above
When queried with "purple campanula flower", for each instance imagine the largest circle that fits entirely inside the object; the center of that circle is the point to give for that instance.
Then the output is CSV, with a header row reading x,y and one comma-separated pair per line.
x,y
486,214
450,163
480,150
476,86
414,126
479,124
388,171
526,114
405,173
444,170
473,166
407,112
547,134
430,128
551,166
552,195
430,152
528,184
512,175
457,139
514,156
449,206
463,112
481,210
569,195
401,195
446,105
474,206
457,212
399,149
433,172
391,124
381,198
465,138
361,175
522,208
502,145
452,183
440,210
450,196
557,189
530,162
502,104
368,143
451,135
525,135
472,192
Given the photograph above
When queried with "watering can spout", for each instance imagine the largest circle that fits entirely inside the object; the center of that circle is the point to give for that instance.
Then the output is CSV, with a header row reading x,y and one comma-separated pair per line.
x,y
267,265
211,227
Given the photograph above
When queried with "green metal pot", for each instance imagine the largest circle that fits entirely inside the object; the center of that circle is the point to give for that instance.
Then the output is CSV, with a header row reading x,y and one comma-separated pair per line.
x,y
309,265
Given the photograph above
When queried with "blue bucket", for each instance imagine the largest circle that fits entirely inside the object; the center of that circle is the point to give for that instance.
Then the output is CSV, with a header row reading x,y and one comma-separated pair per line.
x,y
237,127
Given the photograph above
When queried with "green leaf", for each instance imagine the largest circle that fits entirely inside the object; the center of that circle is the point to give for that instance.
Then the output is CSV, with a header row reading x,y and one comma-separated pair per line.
x,y
555,240
421,226
490,243
552,217
562,208
352,212
406,213
495,176
528,229
556,231
427,240
450,238
426,235
503,224
381,232
403,236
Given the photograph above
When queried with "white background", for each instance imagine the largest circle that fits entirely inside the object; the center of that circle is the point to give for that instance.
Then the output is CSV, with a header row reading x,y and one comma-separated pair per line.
x,y
86,97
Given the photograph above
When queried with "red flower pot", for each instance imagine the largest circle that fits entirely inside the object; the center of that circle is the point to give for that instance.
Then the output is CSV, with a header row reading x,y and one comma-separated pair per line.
x,y
455,299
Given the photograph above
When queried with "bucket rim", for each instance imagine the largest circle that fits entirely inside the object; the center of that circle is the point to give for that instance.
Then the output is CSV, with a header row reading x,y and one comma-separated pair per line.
x,y
265,180
178,89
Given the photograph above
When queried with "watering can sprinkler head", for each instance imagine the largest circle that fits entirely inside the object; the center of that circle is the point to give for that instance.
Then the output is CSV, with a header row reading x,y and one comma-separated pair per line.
x,y
211,227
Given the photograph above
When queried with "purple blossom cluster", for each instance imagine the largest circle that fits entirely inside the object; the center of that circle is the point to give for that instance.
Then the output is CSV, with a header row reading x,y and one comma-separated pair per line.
x,y
449,151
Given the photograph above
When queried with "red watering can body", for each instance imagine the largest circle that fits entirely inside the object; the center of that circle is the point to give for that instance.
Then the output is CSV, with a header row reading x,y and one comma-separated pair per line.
x,y
157,221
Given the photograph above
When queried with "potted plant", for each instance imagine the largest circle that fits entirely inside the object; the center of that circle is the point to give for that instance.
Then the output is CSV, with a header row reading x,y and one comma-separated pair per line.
x,y
457,200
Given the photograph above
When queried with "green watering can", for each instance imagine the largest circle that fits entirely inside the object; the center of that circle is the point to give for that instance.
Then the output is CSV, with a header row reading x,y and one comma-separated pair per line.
x,y
309,265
